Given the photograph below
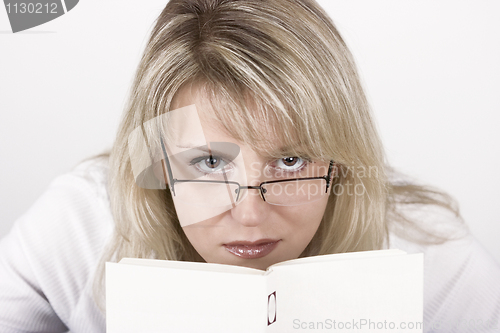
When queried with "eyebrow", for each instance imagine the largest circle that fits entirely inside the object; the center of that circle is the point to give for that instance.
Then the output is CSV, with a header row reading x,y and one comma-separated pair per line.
x,y
296,150
202,148
211,151
278,152
189,146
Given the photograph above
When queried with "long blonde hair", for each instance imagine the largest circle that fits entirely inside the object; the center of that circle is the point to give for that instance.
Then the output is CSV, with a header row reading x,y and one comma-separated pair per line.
x,y
289,60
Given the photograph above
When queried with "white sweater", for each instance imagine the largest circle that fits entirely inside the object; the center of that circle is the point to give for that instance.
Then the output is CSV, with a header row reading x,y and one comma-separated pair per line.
x,y
47,265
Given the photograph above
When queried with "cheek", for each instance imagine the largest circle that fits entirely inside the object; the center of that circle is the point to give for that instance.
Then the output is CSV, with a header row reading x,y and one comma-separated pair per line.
x,y
303,221
310,214
200,237
206,237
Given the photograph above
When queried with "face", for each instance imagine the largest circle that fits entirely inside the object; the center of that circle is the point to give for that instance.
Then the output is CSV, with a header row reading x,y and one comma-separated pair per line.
x,y
250,232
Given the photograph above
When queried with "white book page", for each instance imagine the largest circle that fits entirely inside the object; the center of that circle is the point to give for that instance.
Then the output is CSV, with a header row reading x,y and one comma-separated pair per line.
x,y
188,265
157,299
376,294
340,256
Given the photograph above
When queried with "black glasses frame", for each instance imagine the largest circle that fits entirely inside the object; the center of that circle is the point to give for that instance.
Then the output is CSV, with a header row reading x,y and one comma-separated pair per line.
x,y
262,191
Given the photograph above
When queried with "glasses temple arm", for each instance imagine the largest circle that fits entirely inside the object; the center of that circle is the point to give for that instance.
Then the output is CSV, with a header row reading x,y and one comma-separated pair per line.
x,y
328,176
169,170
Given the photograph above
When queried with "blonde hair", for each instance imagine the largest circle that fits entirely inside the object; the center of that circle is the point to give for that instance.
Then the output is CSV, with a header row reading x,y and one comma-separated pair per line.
x,y
276,62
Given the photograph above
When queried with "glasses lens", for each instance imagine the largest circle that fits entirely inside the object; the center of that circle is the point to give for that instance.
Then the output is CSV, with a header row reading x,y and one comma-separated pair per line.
x,y
207,194
294,192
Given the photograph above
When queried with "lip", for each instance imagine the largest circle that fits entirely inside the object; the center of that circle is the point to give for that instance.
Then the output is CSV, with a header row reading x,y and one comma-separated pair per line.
x,y
252,250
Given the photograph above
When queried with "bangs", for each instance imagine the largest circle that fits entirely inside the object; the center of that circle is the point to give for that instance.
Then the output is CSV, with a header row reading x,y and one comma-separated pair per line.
x,y
284,89
275,125
268,85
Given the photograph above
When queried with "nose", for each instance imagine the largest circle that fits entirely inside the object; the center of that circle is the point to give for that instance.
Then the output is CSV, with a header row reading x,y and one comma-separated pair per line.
x,y
251,211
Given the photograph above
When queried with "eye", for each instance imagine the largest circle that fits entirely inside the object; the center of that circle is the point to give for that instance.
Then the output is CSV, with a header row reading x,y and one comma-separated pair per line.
x,y
210,164
290,163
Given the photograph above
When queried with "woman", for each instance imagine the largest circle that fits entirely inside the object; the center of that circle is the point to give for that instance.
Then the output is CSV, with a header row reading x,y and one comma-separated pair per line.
x,y
244,94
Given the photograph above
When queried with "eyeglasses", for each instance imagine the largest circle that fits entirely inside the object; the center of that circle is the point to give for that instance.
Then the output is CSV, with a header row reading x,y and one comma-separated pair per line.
x,y
219,193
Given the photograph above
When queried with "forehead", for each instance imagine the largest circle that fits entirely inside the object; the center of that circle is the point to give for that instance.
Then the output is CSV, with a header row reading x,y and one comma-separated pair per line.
x,y
223,122
193,120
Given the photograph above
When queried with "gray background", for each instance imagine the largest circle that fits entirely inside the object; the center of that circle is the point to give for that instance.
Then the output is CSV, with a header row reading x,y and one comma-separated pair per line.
x,y
430,69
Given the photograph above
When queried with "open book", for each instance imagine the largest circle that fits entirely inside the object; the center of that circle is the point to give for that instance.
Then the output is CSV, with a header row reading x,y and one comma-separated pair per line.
x,y
353,292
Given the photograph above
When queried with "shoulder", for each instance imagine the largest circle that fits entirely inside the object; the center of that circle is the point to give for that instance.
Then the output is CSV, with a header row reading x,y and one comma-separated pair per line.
x,y
75,204
74,210
461,279
88,177
461,284
54,248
